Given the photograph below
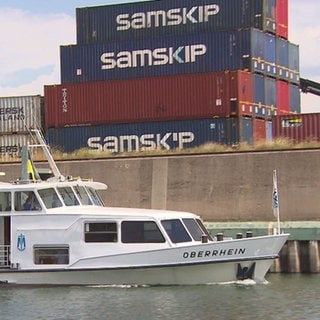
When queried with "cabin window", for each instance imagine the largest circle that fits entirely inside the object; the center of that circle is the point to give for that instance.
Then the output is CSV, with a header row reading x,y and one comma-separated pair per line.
x,y
51,255
83,195
141,232
68,196
100,232
5,201
176,231
95,197
194,229
25,201
50,198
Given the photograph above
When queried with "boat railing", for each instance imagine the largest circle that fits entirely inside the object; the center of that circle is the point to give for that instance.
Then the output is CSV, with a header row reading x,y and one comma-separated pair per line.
x,y
4,256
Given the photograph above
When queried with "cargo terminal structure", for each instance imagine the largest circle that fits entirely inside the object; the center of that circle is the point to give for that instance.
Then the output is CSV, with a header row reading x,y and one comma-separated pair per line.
x,y
166,75
173,74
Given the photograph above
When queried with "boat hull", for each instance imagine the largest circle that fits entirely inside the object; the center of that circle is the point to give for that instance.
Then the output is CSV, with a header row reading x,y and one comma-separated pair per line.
x,y
214,262
191,274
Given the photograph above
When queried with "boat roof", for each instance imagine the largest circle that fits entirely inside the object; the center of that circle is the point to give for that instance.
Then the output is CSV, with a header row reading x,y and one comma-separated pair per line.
x,y
118,212
19,185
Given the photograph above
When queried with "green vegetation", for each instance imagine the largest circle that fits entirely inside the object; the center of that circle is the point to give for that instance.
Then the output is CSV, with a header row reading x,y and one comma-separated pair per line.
x,y
279,144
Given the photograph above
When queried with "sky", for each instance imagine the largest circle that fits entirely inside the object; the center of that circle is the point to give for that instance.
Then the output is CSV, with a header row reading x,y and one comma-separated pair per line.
x,y
31,32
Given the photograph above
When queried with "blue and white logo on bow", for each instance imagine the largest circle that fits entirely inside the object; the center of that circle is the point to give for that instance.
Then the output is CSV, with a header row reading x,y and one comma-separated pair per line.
x,y
21,242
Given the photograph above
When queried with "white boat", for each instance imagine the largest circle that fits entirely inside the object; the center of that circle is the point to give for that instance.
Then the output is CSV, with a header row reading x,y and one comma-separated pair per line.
x,y
58,232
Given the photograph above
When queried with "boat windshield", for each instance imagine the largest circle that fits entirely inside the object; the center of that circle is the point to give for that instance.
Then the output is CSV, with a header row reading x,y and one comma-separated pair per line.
x,y
179,231
196,229
176,230
83,195
94,196
66,195
50,198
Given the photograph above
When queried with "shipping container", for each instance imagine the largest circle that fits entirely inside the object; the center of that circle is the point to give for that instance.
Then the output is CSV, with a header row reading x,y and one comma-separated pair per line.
x,y
202,95
139,136
283,101
259,130
268,130
294,98
282,58
166,135
259,97
212,52
150,19
270,96
239,130
11,144
19,114
270,54
299,127
282,19
293,52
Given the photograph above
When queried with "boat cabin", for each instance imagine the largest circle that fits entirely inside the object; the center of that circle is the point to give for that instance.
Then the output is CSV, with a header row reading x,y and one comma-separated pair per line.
x,y
60,223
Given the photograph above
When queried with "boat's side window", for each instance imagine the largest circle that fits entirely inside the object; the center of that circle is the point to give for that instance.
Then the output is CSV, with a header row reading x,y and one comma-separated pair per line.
x,y
141,232
176,231
25,201
51,255
100,232
83,195
50,198
5,201
68,196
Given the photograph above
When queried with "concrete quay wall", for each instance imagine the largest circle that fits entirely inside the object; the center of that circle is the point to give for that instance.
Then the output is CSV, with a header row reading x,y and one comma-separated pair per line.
x,y
231,187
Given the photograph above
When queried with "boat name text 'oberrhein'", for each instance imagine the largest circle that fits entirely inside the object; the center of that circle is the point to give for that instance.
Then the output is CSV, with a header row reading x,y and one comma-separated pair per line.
x,y
162,18
213,253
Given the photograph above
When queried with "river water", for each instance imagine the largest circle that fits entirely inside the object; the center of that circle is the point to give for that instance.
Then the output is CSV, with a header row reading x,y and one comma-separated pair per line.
x,y
285,297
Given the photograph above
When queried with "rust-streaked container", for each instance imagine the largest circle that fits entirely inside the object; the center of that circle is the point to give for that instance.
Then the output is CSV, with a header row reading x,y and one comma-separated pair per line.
x,y
297,127
18,114
259,130
180,97
282,18
283,101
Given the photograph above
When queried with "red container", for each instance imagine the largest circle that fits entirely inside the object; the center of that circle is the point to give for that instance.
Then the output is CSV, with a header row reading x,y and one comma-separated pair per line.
x,y
282,18
283,100
299,127
180,97
259,130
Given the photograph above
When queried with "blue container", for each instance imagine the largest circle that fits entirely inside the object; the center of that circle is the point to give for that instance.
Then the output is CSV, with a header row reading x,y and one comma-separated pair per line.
x,y
269,131
211,52
239,130
140,136
294,98
294,74
282,58
150,19
259,100
270,92
270,54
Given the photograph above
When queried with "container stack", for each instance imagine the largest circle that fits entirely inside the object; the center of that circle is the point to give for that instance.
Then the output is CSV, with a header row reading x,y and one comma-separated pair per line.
x,y
17,116
174,74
